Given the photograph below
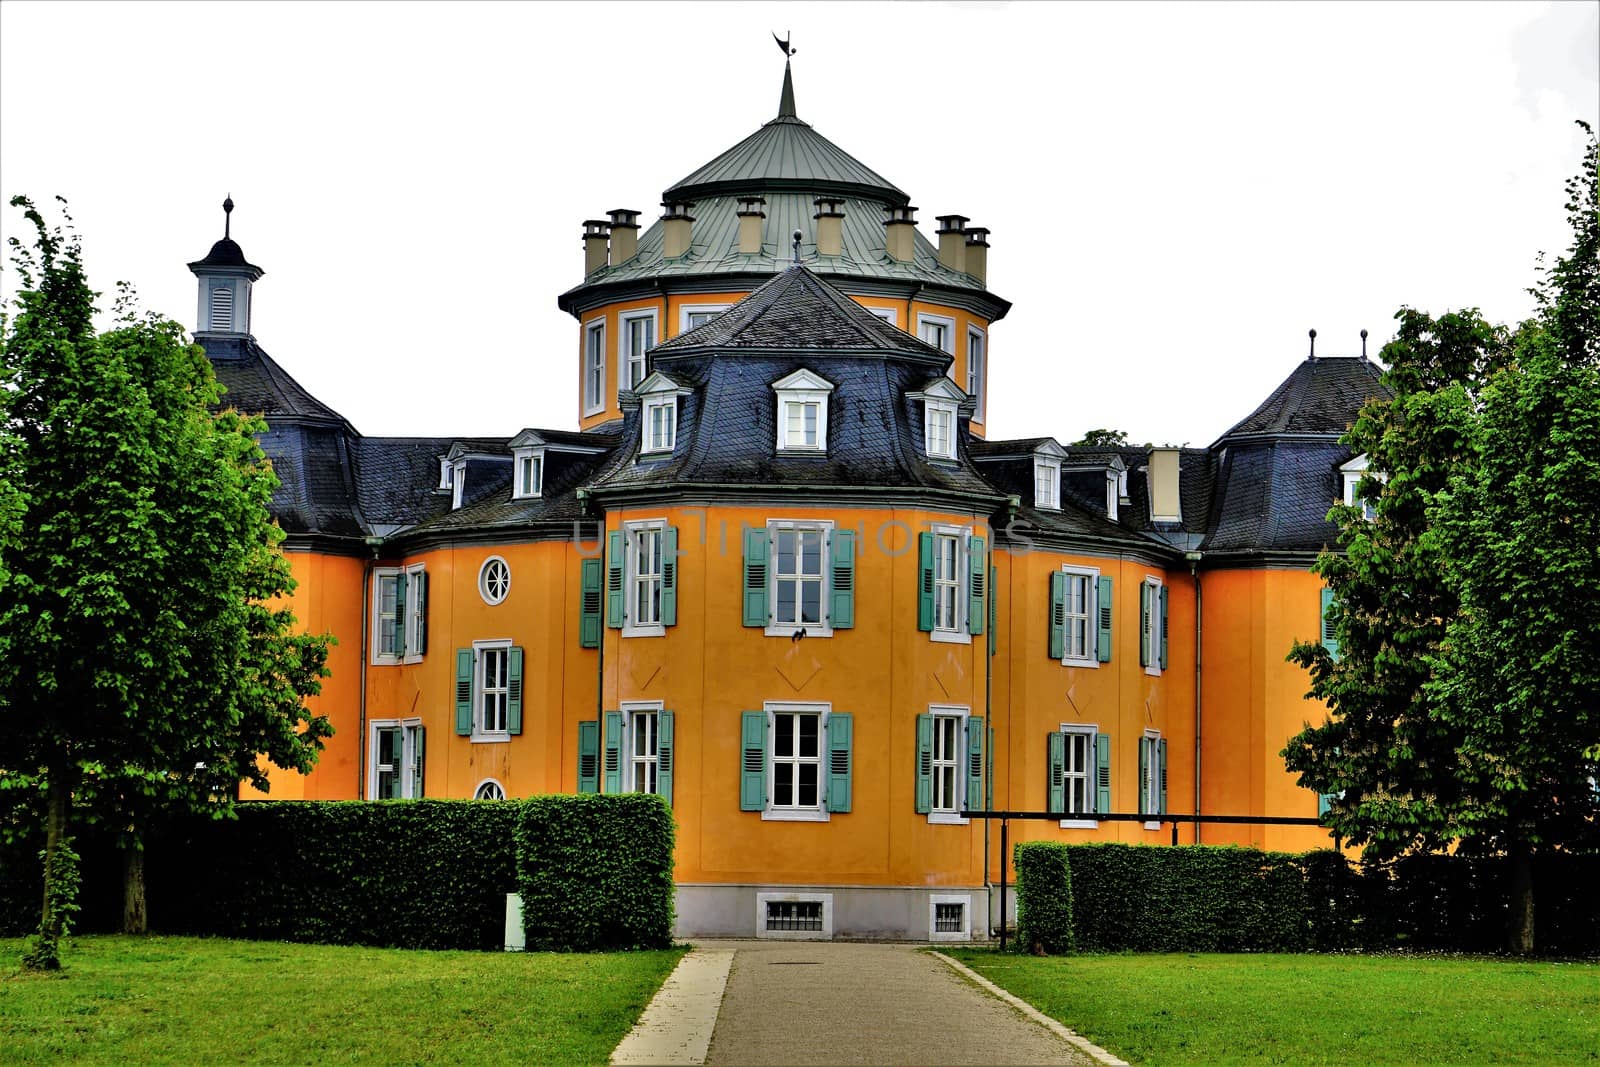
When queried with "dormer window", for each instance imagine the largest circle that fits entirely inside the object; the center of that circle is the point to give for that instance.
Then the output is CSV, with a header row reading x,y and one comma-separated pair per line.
x,y
447,472
529,482
802,412
1113,493
1046,483
660,425
1351,473
458,482
941,429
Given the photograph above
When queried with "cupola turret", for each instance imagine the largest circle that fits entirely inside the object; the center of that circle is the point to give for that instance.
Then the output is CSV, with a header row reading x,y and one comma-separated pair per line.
x,y
225,281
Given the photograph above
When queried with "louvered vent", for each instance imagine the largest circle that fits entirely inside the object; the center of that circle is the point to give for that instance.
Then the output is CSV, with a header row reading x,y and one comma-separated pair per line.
x,y
587,764
979,579
222,309
754,763
664,759
1105,616
591,601
1104,777
844,578
755,576
926,759
463,690
839,762
975,764
514,690
611,761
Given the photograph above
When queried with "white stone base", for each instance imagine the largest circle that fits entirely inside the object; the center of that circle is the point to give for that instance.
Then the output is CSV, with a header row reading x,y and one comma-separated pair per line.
x,y
850,913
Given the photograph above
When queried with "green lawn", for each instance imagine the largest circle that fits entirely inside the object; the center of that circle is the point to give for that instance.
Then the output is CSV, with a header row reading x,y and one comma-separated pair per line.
x,y
198,1000
1164,1009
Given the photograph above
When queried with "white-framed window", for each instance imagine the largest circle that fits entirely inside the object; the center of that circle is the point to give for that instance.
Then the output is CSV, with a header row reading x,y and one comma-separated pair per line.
x,y
1046,483
693,316
660,425
1079,793
643,545
794,916
949,764
594,367
395,759
491,690
802,412
489,789
494,580
458,483
399,613
977,347
641,747
1351,474
938,331
796,778
1152,777
799,551
636,337
1112,495
529,467
1152,621
950,584
1081,618
888,315
939,428
949,917
447,471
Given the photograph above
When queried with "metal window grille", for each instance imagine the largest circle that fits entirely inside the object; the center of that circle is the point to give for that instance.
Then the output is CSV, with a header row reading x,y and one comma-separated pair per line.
x,y
794,915
947,918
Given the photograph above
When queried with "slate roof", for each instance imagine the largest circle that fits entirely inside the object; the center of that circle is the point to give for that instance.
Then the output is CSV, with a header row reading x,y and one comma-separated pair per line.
x,y
1321,396
255,383
398,477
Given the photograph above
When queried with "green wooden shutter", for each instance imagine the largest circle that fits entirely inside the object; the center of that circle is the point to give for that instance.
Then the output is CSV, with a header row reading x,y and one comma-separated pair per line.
x,y
1103,640
1161,755
840,728
1330,626
1144,776
514,691
1056,786
1144,625
1102,773
925,581
1162,661
842,565
994,579
664,755
669,576
753,757
756,548
1058,615
974,796
977,579
589,756
464,661
924,764
422,613
590,571
418,752
614,589
613,757
400,614
1324,802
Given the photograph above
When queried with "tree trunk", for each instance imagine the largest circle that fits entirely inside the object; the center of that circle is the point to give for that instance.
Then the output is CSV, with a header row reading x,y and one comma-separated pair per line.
x,y
134,918
44,954
1520,934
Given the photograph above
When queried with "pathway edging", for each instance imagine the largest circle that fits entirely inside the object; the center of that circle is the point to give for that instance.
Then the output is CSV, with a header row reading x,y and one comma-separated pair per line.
x,y
676,1025
1082,1044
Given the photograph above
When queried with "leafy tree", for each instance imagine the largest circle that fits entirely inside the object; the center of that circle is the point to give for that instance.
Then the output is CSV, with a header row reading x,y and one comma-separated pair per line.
x,y
1103,439
145,655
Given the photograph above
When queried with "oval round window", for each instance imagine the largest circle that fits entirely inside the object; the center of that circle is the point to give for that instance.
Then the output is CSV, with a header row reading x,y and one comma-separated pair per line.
x,y
494,580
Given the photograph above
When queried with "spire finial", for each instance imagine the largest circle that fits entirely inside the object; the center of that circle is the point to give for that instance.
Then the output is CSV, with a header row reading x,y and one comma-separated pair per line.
x,y
227,216
1363,342
786,101
1313,354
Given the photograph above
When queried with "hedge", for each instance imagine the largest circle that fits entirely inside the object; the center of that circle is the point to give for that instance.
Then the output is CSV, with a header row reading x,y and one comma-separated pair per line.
x,y
595,872
1044,897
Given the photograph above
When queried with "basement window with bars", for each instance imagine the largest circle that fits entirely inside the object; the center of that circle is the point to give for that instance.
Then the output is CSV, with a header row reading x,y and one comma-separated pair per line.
x,y
794,915
947,918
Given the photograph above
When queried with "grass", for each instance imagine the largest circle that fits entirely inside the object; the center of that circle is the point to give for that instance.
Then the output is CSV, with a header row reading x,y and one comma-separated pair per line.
x,y
1163,1009
200,1000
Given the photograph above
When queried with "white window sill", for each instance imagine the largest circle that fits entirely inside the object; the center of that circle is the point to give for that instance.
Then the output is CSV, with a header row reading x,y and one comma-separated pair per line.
x,y
596,410
386,661
1152,825
1080,824
794,815
527,496
787,629
947,818
490,739
951,637
653,630
411,659
1092,663
655,453
801,450
1154,672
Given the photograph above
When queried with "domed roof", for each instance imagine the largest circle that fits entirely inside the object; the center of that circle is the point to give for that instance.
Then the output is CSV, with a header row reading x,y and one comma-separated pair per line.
x,y
786,154
225,253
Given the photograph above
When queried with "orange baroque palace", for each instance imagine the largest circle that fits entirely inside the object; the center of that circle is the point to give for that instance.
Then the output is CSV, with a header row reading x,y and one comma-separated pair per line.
x,y
785,575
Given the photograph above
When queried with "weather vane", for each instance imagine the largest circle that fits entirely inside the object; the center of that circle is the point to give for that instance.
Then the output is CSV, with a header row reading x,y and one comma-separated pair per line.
x,y
783,43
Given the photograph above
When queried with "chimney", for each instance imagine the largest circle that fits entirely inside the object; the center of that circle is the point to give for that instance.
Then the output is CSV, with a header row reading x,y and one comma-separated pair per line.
x,y
624,234
899,233
595,234
750,216
675,228
1162,479
830,226
978,254
952,242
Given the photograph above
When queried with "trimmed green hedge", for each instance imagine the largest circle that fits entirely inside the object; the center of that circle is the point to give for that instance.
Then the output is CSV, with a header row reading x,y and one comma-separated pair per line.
x,y
1044,897
595,872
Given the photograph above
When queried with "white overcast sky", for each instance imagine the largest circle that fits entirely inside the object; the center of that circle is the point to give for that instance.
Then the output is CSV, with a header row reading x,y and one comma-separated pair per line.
x,y
1177,192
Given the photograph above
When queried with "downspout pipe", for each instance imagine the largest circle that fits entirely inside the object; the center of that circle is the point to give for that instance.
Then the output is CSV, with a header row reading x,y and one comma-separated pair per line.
x,y
1194,574
1013,502
587,502
376,545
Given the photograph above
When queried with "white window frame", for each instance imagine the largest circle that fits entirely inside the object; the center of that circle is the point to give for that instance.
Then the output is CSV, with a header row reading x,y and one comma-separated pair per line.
x,y
825,899
686,310
492,783
1113,494
483,581
594,359
933,409
802,387
1351,473
458,483
1150,620
1091,615
946,322
824,628
889,315
631,710
934,900
950,814
1082,820
786,406
519,489
480,662
447,470
1150,741
413,609
408,728
631,627
957,635
975,381
648,447
1051,468
795,813
626,356
381,576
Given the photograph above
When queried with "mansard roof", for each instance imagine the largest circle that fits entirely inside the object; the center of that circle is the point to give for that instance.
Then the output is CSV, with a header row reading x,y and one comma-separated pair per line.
x,y
1321,396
